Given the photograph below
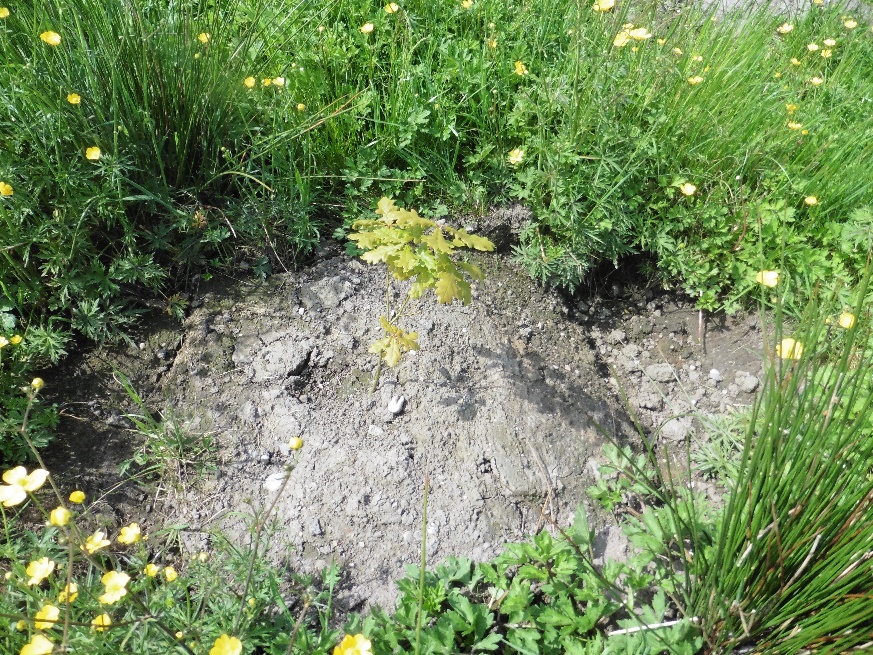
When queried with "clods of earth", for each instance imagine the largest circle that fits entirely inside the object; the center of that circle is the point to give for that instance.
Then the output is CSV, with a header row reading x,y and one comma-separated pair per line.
x,y
505,410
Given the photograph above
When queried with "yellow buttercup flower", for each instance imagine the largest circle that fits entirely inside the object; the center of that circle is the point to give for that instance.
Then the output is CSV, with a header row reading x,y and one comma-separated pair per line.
x,y
4,12
250,82
93,153
37,383
39,570
827,53
19,483
357,645
810,200
52,38
815,81
794,126
300,106
295,443
697,58
46,617
785,28
850,24
16,339
846,320
467,4
74,98
59,516
77,497
267,81
101,622
795,61
170,574
129,534
621,39
515,156
366,28
6,189
226,645
687,189
603,5
812,47
115,583
677,51
204,37
662,41
788,348
696,79
69,594
830,43
777,74
392,8
95,542
491,43
791,107
767,278
278,81
520,68
151,570
38,645
640,34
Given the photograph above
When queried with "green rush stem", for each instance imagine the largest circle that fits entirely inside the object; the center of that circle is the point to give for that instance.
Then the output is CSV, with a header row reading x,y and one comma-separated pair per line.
x,y
257,540
422,565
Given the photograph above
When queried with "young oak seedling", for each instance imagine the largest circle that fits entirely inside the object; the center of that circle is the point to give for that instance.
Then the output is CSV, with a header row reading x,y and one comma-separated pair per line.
x,y
417,249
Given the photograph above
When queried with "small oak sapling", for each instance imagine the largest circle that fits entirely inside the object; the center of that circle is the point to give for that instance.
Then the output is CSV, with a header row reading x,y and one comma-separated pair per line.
x,y
417,249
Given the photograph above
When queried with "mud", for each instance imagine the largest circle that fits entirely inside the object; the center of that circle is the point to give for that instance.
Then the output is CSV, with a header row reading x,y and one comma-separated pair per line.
x,y
504,410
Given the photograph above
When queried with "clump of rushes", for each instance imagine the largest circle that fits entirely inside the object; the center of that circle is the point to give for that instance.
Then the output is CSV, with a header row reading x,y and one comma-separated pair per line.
x,y
790,564
417,249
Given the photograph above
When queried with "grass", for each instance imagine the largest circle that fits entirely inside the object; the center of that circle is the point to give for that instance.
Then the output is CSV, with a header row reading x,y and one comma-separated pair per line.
x,y
233,132
197,170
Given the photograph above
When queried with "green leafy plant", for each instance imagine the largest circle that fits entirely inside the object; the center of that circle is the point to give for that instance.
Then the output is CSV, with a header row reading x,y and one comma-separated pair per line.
x,y
169,452
420,250
17,400
75,585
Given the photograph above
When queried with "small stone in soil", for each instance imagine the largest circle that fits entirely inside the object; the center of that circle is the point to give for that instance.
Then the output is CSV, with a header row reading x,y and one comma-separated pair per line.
x,y
746,381
396,404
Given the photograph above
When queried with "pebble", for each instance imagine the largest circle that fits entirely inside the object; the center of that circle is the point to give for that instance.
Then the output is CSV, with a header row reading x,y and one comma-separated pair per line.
x,y
375,431
315,528
616,337
274,481
746,381
396,404
676,429
715,375
660,372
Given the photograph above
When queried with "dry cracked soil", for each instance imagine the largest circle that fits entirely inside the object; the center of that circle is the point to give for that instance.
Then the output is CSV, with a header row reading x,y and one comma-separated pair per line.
x,y
505,410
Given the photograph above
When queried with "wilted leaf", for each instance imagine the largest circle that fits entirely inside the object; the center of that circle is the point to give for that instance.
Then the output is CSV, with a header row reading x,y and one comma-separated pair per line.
x,y
385,206
462,237
451,286
437,242
472,270
381,253
411,220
